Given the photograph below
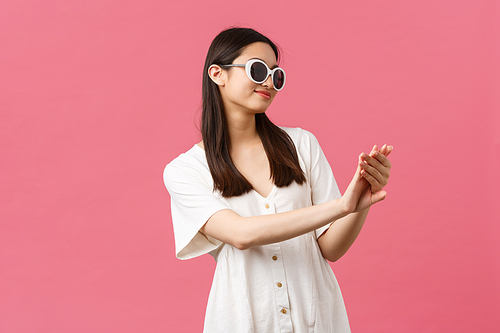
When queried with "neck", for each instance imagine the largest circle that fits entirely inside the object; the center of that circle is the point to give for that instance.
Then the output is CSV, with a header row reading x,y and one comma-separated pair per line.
x,y
242,130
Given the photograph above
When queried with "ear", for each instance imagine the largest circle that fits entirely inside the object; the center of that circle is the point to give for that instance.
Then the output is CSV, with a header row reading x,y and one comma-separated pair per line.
x,y
216,74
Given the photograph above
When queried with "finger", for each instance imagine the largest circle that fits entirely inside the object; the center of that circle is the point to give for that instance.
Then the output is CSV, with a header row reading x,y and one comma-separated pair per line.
x,y
374,149
389,151
372,180
360,163
374,184
374,170
380,175
383,160
360,157
379,196
386,151
375,163
383,149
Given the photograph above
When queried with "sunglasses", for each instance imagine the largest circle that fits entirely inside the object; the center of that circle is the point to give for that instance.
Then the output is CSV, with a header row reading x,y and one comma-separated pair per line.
x,y
258,72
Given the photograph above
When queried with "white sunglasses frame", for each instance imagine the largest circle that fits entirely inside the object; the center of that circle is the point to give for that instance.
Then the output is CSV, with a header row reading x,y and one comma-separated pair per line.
x,y
271,72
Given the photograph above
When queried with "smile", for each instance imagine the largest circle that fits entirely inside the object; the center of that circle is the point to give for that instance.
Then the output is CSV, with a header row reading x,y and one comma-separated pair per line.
x,y
264,94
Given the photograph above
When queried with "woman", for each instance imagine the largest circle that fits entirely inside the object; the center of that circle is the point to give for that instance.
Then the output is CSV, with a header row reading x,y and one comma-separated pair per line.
x,y
261,200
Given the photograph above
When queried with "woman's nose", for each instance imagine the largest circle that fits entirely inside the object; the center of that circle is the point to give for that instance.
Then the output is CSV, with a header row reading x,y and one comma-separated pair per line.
x,y
269,82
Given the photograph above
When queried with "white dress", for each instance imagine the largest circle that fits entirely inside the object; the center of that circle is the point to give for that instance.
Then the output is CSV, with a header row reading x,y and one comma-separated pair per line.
x,y
281,287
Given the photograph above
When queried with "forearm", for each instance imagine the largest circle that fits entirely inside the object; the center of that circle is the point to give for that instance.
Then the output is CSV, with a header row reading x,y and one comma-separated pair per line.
x,y
247,232
337,240
374,168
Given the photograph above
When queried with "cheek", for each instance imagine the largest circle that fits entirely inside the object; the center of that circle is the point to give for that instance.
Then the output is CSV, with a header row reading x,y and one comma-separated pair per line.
x,y
241,79
242,88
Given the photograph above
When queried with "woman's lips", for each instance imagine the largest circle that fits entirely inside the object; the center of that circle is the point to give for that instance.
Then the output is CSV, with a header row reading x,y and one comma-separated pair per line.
x,y
264,94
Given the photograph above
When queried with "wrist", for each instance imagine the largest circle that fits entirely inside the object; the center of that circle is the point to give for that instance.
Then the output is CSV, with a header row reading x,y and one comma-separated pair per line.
x,y
342,207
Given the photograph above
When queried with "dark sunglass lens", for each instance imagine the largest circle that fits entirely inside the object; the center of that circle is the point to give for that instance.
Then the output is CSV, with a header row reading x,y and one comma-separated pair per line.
x,y
258,72
279,79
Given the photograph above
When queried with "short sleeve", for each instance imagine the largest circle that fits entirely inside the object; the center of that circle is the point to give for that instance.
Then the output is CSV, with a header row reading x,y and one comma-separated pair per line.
x,y
193,202
324,188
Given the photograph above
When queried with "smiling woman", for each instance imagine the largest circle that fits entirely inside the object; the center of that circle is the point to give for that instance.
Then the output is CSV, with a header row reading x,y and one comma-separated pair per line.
x,y
242,101
263,201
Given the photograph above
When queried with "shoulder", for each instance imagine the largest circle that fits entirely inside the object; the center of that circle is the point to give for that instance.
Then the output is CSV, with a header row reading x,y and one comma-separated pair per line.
x,y
190,164
303,139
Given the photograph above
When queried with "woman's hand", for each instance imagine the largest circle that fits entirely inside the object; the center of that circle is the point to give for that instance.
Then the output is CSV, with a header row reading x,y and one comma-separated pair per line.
x,y
375,167
370,178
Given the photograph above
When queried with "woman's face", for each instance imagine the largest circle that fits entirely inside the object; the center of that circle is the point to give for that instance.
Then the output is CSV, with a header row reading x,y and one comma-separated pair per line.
x,y
239,93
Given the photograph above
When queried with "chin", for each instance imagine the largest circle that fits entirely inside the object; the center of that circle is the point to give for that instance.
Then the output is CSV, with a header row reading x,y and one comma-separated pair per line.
x,y
261,108
257,111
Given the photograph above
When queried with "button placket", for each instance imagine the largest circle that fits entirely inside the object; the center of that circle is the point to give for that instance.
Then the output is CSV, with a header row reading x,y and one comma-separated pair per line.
x,y
279,278
281,292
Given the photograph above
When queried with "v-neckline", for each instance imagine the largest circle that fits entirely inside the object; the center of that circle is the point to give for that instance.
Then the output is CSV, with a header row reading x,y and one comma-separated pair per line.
x,y
269,196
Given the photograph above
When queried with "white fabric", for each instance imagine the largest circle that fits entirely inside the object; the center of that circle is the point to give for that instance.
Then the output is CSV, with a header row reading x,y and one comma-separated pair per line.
x,y
281,287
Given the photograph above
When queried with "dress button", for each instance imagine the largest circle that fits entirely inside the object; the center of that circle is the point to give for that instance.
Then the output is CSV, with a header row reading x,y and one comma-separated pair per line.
x,y
275,258
279,285
283,311
267,206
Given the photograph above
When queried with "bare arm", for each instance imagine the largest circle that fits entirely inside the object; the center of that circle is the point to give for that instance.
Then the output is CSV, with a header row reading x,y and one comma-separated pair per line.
x,y
337,240
373,175
246,232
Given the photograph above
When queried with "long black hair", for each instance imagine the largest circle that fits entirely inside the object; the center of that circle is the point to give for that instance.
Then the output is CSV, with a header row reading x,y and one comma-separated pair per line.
x,y
280,149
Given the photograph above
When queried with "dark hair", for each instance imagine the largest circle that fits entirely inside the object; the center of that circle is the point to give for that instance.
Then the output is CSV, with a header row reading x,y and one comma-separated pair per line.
x,y
279,147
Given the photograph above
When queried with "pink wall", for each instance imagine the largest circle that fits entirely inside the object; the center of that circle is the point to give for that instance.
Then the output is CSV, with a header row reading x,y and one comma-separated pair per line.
x,y
97,96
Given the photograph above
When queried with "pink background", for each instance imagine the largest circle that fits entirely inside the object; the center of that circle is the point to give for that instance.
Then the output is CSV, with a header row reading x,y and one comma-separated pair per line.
x,y
96,97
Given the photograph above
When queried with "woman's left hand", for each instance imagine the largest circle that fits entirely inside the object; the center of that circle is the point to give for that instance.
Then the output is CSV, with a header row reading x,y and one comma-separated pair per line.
x,y
375,167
